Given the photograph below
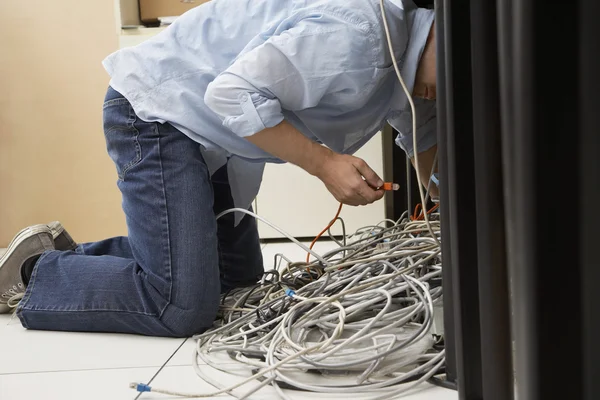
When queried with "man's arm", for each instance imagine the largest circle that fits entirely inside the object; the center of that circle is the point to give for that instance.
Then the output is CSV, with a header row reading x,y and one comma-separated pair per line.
x,y
298,68
341,174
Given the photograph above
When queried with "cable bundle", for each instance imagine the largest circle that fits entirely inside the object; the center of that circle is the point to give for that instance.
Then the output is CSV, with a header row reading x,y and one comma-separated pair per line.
x,y
361,315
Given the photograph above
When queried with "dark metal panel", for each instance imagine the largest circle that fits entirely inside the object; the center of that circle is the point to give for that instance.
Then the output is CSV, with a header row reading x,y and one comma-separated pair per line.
x,y
505,64
459,193
387,136
449,326
408,196
589,87
546,254
493,275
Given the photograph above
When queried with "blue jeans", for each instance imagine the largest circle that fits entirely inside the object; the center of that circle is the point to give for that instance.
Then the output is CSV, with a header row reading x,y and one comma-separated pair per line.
x,y
166,277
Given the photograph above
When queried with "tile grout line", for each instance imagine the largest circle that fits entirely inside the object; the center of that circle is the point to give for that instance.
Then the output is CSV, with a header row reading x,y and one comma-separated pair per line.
x,y
68,371
163,366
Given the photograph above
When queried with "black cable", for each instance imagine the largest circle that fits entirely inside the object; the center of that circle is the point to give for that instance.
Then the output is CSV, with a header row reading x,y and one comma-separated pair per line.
x,y
442,383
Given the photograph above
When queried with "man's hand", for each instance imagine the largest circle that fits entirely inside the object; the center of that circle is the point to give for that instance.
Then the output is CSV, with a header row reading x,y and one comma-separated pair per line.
x,y
341,174
343,177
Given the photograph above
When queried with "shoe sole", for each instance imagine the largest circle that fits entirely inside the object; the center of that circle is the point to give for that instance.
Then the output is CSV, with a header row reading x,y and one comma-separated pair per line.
x,y
14,244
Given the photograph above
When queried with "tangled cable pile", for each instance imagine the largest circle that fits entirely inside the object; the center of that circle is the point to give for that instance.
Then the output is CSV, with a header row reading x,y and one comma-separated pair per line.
x,y
360,314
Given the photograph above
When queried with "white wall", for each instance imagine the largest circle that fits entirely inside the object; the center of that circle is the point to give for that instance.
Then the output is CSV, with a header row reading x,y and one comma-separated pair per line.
x,y
53,162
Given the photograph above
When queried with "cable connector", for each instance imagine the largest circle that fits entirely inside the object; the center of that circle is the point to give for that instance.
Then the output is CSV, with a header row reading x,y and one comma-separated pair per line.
x,y
389,186
140,387
435,179
289,292
385,245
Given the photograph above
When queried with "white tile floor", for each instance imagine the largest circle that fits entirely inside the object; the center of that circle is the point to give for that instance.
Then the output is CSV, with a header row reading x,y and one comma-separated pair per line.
x,y
68,366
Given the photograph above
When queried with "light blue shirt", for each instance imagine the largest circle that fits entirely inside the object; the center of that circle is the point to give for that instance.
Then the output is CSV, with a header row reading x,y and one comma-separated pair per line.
x,y
230,68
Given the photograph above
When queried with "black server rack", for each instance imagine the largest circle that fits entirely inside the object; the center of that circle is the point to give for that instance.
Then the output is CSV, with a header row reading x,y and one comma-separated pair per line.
x,y
519,149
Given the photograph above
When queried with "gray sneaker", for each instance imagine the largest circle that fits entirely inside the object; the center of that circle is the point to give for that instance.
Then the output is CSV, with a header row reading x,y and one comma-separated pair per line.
x,y
28,243
62,240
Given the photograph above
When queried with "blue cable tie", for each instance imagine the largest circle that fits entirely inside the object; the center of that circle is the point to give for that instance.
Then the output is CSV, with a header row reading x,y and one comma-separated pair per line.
x,y
435,179
289,292
143,388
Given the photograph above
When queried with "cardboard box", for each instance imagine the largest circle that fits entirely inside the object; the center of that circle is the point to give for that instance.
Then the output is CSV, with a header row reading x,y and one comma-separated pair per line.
x,y
151,10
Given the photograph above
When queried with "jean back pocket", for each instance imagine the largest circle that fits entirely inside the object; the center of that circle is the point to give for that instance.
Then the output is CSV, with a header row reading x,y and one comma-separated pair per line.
x,y
121,135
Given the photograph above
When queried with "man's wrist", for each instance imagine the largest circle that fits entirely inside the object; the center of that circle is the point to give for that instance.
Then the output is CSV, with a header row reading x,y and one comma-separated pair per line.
x,y
316,158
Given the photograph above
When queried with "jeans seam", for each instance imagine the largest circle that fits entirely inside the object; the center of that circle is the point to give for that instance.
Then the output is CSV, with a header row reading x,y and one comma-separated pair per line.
x,y
92,310
115,102
29,289
136,143
166,216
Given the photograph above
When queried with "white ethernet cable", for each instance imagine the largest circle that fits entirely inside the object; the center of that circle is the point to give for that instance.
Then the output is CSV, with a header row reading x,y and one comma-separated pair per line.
x,y
414,117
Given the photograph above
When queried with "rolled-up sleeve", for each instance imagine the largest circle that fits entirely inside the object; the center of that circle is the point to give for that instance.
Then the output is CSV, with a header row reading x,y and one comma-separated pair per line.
x,y
426,127
243,109
292,70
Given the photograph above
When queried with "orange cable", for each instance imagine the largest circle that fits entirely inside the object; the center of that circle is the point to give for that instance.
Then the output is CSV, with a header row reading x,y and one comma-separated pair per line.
x,y
432,209
324,230
387,186
416,212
